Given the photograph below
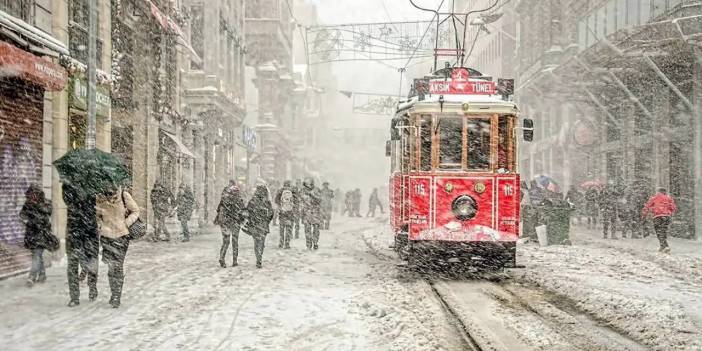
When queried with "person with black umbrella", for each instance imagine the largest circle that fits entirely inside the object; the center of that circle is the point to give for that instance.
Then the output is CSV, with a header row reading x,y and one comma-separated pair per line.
x,y
82,240
260,215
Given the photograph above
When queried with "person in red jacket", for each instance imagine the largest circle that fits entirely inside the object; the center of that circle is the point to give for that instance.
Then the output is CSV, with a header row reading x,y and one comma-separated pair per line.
x,y
662,207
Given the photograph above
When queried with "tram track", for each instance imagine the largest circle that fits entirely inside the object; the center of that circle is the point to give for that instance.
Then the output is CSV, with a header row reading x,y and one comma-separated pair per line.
x,y
454,319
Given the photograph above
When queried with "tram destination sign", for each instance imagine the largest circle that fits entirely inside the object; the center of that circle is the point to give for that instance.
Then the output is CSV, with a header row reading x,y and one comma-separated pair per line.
x,y
460,84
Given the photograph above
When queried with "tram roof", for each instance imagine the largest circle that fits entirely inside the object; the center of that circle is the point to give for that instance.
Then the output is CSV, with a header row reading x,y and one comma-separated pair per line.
x,y
458,104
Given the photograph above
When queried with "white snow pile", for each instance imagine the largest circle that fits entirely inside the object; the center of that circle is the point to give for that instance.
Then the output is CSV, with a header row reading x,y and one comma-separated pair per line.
x,y
645,299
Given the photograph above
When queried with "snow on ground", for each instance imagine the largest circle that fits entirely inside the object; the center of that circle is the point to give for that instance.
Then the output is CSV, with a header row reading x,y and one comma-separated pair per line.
x,y
595,295
654,298
176,297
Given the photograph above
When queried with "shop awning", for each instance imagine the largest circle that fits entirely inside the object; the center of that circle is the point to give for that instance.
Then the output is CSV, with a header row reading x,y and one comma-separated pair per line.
x,y
16,62
168,24
181,147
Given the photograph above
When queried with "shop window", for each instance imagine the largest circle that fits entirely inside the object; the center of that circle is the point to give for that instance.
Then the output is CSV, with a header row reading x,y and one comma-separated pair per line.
x,y
425,144
17,8
450,142
478,131
78,32
197,37
505,146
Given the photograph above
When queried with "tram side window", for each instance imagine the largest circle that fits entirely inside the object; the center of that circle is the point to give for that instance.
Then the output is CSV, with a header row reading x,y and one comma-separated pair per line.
x,y
478,144
425,144
505,156
451,143
405,150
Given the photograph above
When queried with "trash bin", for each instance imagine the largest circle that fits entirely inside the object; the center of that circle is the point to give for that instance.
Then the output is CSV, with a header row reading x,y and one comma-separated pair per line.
x,y
557,218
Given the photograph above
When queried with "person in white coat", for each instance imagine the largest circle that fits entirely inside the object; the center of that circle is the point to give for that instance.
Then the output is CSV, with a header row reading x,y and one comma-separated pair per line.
x,y
116,211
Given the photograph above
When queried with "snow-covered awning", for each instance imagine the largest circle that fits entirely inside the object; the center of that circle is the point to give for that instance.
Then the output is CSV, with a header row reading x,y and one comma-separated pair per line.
x,y
168,24
32,33
181,147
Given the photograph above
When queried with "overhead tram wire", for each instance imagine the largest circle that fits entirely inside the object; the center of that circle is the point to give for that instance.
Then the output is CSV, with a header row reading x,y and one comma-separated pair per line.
x,y
304,42
436,16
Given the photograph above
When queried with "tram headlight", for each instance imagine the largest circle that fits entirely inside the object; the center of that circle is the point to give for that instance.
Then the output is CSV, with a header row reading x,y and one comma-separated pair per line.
x,y
464,208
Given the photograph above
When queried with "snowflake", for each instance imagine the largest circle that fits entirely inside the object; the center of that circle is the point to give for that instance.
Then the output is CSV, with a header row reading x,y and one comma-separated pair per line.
x,y
361,40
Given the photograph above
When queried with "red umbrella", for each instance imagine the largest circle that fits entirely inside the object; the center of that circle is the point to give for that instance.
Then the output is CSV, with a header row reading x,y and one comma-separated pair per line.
x,y
591,184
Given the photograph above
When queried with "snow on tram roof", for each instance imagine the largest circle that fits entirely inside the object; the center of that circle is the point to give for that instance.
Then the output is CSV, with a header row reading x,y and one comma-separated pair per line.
x,y
456,99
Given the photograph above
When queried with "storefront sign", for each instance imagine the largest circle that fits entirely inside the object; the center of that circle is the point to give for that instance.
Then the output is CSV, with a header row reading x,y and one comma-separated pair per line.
x,y
22,64
249,138
460,84
79,96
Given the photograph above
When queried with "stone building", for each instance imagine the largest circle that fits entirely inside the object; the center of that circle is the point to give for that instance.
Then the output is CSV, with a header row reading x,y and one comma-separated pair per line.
x,y
611,86
213,96
268,36
150,45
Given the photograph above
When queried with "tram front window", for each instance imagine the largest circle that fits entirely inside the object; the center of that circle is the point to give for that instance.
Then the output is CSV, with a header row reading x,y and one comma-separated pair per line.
x,y
478,144
450,143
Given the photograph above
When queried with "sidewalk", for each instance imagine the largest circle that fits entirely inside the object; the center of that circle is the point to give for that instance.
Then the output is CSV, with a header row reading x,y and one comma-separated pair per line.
x,y
627,284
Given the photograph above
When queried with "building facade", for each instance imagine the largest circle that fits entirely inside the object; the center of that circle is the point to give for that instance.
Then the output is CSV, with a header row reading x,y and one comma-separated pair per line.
x,y
610,85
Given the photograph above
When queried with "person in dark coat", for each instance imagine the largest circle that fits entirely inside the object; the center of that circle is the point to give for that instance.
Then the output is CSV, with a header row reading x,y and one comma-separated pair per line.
x,y
373,203
36,215
260,215
592,206
609,205
230,216
357,197
286,200
327,205
161,201
348,203
574,198
311,200
296,211
82,241
186,204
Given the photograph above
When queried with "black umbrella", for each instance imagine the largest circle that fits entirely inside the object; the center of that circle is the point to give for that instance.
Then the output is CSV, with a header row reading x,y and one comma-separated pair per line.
x,y
93,170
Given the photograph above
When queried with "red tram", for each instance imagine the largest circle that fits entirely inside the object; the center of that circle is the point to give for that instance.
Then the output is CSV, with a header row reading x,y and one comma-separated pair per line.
x,y
454,188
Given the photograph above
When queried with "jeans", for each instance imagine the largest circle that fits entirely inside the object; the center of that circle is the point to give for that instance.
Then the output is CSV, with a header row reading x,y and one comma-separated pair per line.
x,y
228,234
161,228
661,224
286,232
311,235
186,230
114,251
259,245
83,253
37,273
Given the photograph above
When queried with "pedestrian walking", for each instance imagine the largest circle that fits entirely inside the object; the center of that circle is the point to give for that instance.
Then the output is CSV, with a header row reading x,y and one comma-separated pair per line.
x,y
575,200
348,203
285,199
259,217
327,204
161,201
116,212
36,215
373,203
609,205
185,204
357,203
311,210
82,241
662,207
275,186
297,217
230,217
592,207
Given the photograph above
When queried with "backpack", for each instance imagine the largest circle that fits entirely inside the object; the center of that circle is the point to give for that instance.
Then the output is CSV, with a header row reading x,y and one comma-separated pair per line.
x,y
286,200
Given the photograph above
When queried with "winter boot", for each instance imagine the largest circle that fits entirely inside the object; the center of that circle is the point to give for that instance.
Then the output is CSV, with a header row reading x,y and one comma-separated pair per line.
x,y
258,264
30,282
73,303
93,294
222,264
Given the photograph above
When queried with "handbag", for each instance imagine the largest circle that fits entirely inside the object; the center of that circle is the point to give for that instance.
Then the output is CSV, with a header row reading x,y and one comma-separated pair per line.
x,y
137,230
52,241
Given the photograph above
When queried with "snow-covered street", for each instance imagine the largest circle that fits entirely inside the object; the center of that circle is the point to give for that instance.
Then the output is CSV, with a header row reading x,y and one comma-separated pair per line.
x,y
177,297
352,294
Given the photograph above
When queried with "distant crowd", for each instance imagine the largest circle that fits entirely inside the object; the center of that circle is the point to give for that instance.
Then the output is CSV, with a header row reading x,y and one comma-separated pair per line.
x,y
104,224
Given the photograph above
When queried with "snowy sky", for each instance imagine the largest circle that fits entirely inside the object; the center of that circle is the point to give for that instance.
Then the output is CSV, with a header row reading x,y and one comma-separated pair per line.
x,y
380,78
